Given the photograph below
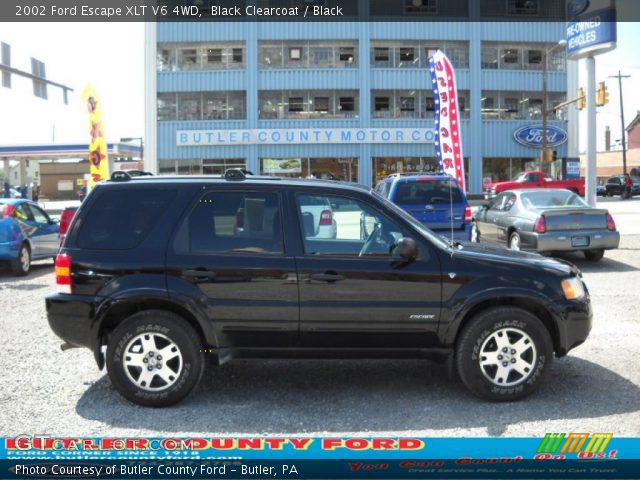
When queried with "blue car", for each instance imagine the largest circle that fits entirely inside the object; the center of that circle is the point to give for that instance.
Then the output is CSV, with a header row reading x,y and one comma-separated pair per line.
x,y
437,201
26,233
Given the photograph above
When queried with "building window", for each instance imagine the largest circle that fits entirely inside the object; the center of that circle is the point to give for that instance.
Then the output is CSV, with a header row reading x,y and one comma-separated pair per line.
x,y
39,86
296,104
202,106
489,57
533,59
214,55
510,58
415,54
5,59
429,7
237,55
381,104
407,104
519,105
295,54
311,54
522,7
167,106
380,54
321,104
407,54
188,59
189,106
346,54
522,56
347,104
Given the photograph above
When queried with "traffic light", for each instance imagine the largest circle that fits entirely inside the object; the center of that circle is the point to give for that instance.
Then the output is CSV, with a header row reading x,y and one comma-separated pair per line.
x,y
602,94
582,100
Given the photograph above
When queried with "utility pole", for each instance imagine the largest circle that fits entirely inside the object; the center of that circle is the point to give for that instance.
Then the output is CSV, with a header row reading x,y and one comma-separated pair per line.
x,y
624,142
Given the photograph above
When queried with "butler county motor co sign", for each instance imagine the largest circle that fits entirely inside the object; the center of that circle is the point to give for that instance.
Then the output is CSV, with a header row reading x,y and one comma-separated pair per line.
x,y
284,136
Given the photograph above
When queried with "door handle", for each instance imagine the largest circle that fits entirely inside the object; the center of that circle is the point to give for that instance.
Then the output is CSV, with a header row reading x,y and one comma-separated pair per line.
x,y
199,275
326,277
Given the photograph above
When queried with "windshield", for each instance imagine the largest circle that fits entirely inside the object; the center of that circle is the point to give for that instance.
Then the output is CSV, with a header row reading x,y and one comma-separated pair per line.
x,y
519,177
426,232
551,199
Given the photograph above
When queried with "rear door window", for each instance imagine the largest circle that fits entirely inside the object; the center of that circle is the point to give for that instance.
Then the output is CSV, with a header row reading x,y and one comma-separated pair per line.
x,y
120,219
232,222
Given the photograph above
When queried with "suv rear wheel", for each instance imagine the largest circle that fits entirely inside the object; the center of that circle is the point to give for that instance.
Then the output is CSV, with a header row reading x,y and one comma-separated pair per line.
x,y
502,353
154,358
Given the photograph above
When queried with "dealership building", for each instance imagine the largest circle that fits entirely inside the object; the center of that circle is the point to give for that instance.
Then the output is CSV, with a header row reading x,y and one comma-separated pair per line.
x,y
353,100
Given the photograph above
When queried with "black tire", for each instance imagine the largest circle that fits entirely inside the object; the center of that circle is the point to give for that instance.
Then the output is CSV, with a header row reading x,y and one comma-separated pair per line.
x,y
478,337
514,239
22,264
594,255
159,327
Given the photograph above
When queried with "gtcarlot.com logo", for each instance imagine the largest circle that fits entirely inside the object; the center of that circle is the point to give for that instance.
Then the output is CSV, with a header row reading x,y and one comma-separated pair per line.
x,y
556,446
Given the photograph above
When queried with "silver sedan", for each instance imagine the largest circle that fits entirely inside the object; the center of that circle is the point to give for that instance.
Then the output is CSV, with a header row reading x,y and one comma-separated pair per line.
x,y
547,221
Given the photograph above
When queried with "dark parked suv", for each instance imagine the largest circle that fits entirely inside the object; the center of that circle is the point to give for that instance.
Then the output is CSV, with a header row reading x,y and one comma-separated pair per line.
x,y
165,272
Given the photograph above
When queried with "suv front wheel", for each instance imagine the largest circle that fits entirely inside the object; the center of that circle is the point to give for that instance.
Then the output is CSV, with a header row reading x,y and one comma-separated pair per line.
x,y
502,353
154,358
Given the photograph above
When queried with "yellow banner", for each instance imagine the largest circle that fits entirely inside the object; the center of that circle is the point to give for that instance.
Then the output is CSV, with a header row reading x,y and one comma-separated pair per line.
x,y
98,155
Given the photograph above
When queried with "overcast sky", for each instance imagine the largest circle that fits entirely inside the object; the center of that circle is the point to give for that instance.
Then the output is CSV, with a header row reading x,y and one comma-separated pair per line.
x,y
111,57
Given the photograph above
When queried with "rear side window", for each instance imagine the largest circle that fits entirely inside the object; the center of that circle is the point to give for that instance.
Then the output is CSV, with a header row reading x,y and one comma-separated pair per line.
x,y
427,193
232,222
121,219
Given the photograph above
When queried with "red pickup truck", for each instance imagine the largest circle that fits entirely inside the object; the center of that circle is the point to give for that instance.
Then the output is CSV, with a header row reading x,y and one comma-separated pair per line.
x,y
534,179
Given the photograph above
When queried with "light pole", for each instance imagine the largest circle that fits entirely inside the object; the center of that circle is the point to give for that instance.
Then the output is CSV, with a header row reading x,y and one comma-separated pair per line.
x,y
141,140
545,100
624,143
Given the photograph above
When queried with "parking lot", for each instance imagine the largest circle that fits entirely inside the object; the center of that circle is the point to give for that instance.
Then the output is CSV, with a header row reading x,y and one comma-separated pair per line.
x,y
595,389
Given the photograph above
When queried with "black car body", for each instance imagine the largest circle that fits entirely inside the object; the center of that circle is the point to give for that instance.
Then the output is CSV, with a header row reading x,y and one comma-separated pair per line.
x,y
615,185
165,271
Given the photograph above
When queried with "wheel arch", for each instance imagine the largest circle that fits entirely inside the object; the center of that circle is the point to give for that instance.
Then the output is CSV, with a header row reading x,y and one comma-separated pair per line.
x,y
120,310
532,306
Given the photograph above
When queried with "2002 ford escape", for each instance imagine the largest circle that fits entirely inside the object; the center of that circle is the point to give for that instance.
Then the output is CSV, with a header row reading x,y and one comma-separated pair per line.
x,y
162,271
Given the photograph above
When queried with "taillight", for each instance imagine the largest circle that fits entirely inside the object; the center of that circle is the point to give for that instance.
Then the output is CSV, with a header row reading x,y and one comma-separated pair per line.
x,y
541,225
7,211
65,220
467,215
611,225
326,217
63,272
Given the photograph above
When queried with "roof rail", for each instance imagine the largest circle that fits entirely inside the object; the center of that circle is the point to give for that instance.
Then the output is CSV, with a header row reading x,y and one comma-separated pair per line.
x,y
236,174
126,175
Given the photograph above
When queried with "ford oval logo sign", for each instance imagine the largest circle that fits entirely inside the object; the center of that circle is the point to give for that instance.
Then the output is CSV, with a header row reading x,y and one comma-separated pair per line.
x,y
576,7
531,136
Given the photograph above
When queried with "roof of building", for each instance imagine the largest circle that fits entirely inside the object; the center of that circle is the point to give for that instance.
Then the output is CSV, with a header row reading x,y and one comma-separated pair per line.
x,y
634,122
59,151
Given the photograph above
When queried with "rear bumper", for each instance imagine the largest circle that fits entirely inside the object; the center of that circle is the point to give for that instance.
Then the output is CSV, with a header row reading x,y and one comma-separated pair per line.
x,y
71,317
563,241
9,250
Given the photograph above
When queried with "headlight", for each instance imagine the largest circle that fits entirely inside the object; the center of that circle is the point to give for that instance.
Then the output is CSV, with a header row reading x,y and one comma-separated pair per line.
x,y
573,288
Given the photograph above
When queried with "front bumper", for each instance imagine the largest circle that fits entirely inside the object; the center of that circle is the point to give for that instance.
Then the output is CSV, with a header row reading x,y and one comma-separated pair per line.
x,y
564,241
574,320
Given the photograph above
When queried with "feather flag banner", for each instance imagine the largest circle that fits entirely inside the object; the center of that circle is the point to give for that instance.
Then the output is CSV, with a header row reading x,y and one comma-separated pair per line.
x,y
448,141
98,155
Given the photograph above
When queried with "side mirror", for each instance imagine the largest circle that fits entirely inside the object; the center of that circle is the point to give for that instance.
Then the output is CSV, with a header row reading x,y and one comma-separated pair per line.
x,y
405,248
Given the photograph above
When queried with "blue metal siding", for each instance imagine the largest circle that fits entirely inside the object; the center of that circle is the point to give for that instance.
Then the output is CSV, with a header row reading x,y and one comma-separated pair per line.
x,y
481,138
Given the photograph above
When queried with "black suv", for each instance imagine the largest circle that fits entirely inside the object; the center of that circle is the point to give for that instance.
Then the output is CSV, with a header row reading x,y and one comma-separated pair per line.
x,y
164,272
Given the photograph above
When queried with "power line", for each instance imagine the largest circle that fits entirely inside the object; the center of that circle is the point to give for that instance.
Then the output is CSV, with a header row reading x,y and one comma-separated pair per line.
x,y
624,144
